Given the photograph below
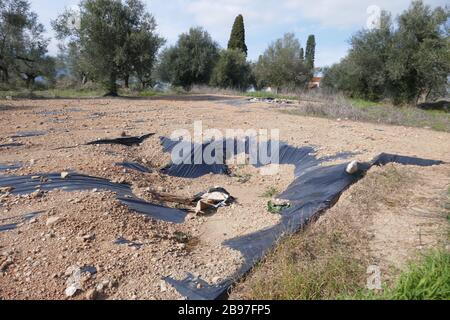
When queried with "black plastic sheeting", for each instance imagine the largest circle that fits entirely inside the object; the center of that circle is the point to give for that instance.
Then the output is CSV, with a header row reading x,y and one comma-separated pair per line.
x,y
134,166
11,145
301,157
14,166
314,190
155,211
27,134
123,241
125,141
192,170
76,182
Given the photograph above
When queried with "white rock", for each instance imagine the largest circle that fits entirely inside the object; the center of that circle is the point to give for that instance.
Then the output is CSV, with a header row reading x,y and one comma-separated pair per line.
x,y
163,286
72,290
64,175
52,220
353,167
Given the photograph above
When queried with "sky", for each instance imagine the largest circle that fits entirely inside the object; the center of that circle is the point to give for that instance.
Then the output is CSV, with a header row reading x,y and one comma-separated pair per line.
x,y
331,21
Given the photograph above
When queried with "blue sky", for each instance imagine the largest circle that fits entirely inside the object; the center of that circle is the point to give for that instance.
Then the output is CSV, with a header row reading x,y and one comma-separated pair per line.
x,y
332,21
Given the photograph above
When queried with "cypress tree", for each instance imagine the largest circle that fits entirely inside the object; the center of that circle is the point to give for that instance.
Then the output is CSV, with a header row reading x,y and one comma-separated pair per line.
x,y
310,54
237,38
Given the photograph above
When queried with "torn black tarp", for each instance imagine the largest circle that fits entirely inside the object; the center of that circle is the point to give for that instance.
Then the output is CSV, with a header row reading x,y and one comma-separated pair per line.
x,y
123,241
23,185
189,165
27,134
11,145
314,190
155,211
14,166
125,141
134,166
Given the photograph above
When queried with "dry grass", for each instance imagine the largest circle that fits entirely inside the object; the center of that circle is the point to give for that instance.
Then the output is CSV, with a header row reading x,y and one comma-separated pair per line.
x,y
329,259
337,106
202,89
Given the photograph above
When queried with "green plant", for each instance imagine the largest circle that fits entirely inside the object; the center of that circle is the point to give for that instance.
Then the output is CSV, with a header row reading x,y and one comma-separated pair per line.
x,y
181,237
277,208
425,279
237,38
270,192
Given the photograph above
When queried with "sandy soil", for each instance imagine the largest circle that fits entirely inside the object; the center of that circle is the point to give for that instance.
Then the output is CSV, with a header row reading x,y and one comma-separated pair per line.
x,y
39,256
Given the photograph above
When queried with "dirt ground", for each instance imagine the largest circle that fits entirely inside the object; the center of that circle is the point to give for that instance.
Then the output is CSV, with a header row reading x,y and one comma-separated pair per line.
x,y
79,228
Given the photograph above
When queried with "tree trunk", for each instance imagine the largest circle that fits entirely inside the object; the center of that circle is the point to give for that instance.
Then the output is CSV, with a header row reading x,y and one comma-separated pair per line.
x,y
127,81
112,86
84,79
423,96
29,81
5,75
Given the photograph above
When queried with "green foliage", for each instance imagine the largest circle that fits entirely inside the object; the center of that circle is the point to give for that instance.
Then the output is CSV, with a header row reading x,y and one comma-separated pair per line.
x,y
310,53
420,59
407,64
282,66
191,61
23,49
270,192
364,104
232,71
428,279
113,41
275,208
237,38
425,279
76,65
270,95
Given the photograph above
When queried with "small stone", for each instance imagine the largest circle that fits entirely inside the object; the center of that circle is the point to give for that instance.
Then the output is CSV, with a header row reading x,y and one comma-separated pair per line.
x,y
281,202
99,287
353,167
64,175
72,290
4,266
52,221
6,189
91,294
88,237
181,246
37,194
163,286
